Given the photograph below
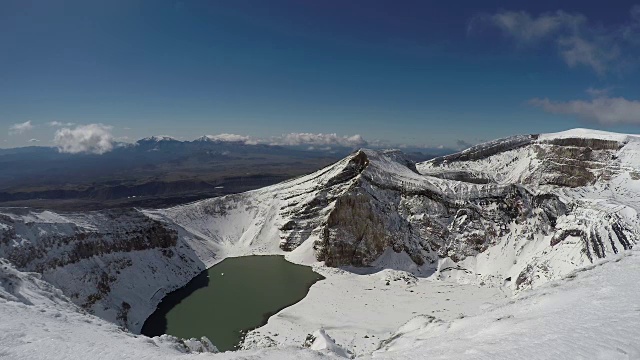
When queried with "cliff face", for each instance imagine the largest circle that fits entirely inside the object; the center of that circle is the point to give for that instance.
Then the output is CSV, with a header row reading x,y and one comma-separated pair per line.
x,y
435,219
577,201
526,208
61,244
570,159
538,212
516,212
114,264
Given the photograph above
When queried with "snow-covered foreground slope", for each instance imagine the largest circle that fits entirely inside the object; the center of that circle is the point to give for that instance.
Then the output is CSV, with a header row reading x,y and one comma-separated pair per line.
x,y
501,217
39,322
590,314
361,309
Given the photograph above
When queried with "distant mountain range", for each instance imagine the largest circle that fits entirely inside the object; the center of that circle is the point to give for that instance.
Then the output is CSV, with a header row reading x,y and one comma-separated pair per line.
x,y
155,168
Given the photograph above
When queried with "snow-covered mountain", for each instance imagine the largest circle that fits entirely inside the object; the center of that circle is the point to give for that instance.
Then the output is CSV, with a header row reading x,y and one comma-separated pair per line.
x,y
592,313
512,213
158,138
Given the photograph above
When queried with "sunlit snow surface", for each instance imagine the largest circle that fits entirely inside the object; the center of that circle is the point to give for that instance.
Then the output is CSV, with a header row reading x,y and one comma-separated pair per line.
x,y
463,310
591,314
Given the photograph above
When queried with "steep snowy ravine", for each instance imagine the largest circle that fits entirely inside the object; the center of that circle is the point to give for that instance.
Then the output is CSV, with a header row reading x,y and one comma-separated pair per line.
x,y
501,217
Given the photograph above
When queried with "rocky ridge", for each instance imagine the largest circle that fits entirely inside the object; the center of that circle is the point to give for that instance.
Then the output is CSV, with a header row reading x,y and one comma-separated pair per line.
x,y
513,213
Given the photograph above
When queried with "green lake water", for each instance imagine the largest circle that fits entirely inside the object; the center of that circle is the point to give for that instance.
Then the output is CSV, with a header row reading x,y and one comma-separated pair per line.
x,y
232,297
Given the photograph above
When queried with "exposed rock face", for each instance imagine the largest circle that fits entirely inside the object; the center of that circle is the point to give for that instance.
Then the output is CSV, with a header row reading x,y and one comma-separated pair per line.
x,y
530,160
359,229
515,193
366,220
570,199
386,205
60,244
572,163
309,216
528,208
89,255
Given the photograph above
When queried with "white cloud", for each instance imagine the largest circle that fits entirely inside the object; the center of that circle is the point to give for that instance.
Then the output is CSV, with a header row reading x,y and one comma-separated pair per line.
x,y
604,110
59,124
603,49
247,140
318,141
523,27
631,31
33,140
599,55
92,138
20,128
295,139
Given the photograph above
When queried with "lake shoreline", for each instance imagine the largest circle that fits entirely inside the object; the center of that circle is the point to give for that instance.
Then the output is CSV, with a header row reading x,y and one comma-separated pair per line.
x,y
201,307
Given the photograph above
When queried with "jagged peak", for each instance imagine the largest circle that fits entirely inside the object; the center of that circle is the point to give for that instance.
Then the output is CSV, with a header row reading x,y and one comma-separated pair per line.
x,y
386,161
157,138
380,155
204,138
228,138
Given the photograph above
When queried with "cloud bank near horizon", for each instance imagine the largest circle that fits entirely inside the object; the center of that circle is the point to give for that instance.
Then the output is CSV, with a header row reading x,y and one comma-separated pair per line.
x,y
99,138
295,139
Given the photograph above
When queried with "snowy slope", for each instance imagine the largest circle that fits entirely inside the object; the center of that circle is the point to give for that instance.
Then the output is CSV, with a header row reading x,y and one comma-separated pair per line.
x,y
116,264
119,264
577,157
588,178
38,322
509,215
590,314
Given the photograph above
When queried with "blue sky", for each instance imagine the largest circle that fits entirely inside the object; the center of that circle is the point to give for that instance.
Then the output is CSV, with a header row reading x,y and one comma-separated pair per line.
x,y
406,72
